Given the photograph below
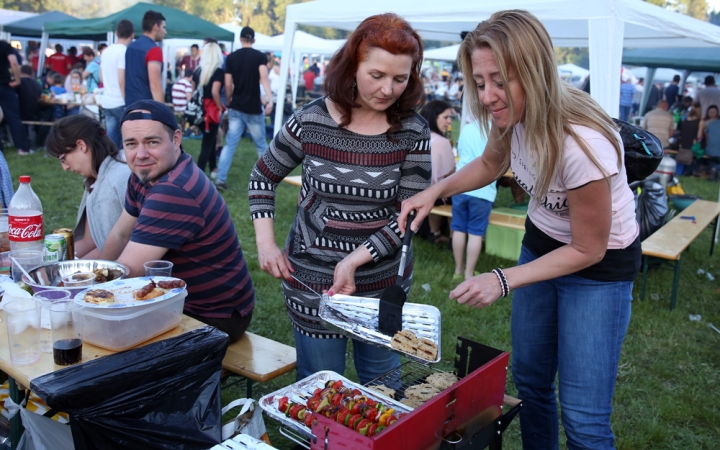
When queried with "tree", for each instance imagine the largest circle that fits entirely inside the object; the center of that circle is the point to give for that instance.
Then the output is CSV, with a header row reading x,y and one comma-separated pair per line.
x,y
693,8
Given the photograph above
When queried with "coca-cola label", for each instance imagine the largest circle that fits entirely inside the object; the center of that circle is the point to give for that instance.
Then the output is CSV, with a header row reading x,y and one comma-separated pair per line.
x,y
25,228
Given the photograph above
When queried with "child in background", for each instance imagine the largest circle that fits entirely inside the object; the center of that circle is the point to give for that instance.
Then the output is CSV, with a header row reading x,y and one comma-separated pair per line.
x,y
57,88
471,210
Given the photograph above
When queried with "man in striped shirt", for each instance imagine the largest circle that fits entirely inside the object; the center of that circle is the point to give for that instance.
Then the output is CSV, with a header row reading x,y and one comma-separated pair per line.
x,y
173,212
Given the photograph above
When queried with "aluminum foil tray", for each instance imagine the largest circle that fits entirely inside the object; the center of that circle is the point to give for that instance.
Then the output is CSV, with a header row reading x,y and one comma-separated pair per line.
x,y
242,442
303,390
357,317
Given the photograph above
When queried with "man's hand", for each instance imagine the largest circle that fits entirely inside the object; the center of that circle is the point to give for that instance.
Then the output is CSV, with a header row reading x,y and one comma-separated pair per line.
x,y
268,109
14,84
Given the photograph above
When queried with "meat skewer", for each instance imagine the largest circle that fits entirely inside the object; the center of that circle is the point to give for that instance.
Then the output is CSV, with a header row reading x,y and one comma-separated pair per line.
x,y
171,284
145,290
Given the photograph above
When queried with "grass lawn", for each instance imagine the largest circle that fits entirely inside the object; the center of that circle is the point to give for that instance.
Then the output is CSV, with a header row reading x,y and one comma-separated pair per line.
x,y
668,382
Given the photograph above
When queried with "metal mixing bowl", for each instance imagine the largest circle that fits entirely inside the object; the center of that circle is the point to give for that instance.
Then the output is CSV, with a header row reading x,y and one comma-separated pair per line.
x,y
48,277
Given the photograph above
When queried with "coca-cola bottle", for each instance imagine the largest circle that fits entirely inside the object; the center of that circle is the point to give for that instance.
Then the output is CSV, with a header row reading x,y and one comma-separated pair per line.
x,y
25,218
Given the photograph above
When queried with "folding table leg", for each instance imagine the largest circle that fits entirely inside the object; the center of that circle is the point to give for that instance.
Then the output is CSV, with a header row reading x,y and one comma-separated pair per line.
x,y
676,282
715,230
644,280
248,387
16,426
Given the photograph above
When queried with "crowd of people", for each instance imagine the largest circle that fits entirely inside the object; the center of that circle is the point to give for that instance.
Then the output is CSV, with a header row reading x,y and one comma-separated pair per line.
x,y
372,152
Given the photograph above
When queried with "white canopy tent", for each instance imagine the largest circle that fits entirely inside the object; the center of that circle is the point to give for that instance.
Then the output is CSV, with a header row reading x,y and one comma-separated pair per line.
x,y
304,43
603,26
9,16
448,53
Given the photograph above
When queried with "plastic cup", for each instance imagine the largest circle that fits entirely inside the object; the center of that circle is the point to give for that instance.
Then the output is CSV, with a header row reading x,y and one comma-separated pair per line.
x,y
158,268
22,317
66,319
4,242
45,299
78,279
28,259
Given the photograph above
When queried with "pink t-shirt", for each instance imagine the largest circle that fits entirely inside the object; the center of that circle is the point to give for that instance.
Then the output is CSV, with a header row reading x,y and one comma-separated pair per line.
x,y
552,217
443,160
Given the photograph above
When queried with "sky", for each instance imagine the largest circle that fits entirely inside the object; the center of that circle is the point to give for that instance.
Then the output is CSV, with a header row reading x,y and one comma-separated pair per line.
x,y
713,5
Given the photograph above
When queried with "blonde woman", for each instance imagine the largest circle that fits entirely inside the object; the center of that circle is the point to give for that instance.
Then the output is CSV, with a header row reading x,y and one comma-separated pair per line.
x,y
581,251
211,77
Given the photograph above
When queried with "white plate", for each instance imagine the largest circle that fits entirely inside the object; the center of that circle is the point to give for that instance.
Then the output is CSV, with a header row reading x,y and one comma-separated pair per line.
x,y
123,291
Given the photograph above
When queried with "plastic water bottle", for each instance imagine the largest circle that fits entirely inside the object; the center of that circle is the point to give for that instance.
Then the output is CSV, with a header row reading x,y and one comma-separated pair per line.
x,y
25,218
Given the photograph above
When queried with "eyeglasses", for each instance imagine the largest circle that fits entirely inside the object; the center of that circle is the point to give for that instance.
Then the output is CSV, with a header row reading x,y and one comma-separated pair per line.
x,y
61,157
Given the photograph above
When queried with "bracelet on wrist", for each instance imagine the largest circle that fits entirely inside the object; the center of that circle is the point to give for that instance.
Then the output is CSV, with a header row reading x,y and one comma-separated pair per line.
x,y
503,281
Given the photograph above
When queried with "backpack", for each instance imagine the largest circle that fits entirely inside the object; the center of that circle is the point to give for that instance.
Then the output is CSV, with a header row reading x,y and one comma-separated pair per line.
x,y
194,112
643,151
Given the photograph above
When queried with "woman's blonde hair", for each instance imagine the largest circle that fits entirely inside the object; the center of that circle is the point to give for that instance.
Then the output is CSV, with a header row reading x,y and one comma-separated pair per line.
x,y
695,112
212,59
522,46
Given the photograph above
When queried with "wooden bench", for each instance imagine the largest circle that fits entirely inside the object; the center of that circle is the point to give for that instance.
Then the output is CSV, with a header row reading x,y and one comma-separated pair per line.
x,y
37,122
671,241
258,359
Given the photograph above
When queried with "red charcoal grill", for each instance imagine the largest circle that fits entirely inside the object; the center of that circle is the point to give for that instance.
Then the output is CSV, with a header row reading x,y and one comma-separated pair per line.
x,y
468,415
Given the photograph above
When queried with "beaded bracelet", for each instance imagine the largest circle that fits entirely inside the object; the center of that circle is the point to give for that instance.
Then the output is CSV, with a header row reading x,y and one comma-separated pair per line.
x,y
503,281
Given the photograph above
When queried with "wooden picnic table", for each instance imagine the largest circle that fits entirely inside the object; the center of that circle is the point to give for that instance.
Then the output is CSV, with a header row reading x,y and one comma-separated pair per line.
x,y
671,241
21,376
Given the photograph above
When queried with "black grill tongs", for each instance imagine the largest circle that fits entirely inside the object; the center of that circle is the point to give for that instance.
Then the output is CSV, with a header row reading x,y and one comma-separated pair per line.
x,y
394,297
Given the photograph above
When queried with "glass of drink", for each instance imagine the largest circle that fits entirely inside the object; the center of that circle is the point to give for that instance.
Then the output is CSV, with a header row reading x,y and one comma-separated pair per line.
x,y
45,299
66,319
4,241
79,279
158,268
28,259
22,317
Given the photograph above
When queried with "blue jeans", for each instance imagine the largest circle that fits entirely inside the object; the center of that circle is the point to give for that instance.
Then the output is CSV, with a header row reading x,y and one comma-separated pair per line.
x,y
625,112
112,124
315,354
238,122
10,105
573,327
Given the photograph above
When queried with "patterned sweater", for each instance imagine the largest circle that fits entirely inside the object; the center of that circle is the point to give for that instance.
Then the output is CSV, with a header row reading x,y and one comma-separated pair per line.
x,y
352,188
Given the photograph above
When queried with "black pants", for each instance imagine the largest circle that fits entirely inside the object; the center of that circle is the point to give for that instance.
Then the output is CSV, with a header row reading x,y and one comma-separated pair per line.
x,y
11,110
207,150
235,325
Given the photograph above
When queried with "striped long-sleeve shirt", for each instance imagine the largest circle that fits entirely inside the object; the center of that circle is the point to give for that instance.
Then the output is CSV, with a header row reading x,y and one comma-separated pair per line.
x,y
184,213
350,196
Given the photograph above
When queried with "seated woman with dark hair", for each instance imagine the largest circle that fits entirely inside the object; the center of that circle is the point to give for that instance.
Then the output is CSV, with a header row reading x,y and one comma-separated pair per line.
x,y
83,147
439,116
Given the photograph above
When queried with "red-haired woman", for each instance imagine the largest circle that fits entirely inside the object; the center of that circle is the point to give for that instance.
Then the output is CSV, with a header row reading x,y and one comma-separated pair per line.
x,y
363,150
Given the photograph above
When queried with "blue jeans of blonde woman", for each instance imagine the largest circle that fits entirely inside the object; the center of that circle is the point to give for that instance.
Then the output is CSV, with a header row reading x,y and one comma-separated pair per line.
x,y
314,355
573,327
238,122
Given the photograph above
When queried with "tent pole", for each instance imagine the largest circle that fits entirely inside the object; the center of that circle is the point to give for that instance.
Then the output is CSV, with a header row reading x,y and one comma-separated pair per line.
x,y
649,76
290,27
44,41
605,37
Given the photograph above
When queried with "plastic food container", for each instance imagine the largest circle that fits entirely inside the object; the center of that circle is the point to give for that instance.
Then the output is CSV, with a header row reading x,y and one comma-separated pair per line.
x,y
119,329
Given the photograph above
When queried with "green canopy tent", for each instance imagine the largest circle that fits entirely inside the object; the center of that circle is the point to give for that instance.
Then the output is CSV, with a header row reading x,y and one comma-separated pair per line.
x,y
686,59
33,26
179,25
692,59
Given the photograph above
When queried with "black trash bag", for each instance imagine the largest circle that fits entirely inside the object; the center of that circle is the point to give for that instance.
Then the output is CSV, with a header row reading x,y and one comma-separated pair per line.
x,y
643,151
652,208
165,395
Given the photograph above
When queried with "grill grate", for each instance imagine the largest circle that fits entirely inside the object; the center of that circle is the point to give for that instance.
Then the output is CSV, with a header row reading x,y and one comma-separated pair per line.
x,y
408,374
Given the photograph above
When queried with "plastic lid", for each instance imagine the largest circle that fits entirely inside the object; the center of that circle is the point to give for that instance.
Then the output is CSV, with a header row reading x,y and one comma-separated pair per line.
x,y
24,178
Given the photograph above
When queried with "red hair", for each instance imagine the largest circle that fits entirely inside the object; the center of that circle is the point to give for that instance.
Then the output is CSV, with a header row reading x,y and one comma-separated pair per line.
x,y
393,34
